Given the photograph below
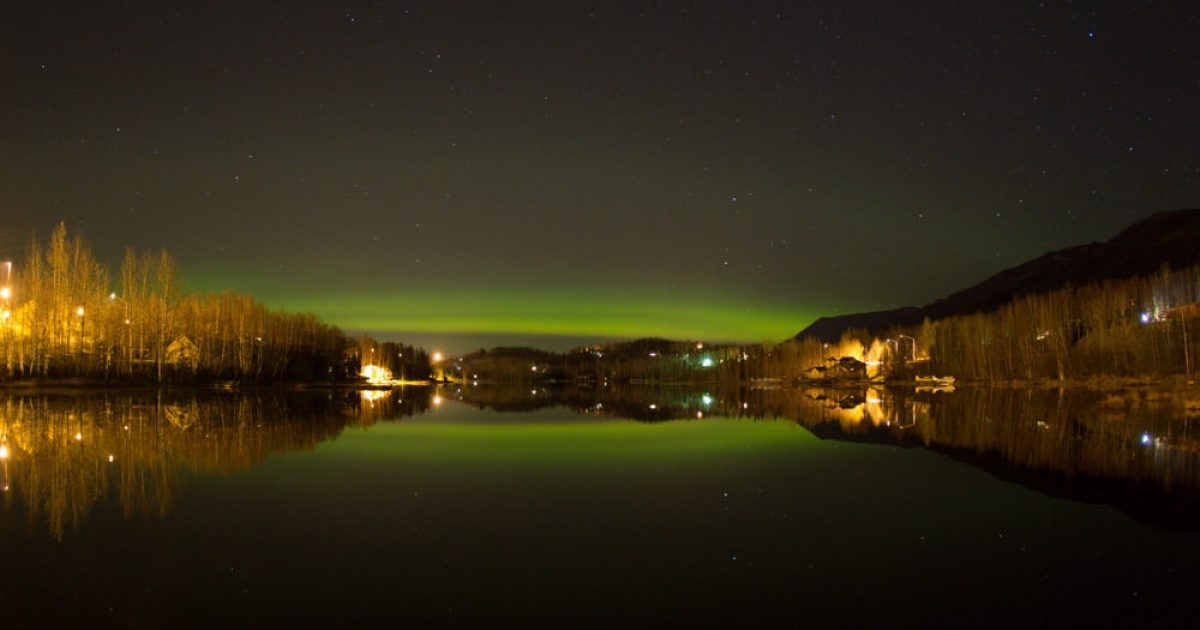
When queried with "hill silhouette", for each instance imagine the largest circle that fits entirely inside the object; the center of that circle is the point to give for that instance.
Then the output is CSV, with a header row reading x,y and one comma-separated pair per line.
x,y
1170,238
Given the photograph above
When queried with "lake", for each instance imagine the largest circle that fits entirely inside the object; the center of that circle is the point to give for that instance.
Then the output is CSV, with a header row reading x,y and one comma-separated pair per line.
x,y
599,506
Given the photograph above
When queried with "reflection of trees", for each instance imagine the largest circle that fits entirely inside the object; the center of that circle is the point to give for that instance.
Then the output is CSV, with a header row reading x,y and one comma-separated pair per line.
x,y
647,403
369,406
1135,437
64,454
1137,450
1068,431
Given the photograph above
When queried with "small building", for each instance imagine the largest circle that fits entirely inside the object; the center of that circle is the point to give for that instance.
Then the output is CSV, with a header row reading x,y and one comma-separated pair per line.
x,y
183,353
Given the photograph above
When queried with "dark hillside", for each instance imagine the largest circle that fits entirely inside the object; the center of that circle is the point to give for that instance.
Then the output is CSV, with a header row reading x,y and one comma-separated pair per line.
x,y
1169,238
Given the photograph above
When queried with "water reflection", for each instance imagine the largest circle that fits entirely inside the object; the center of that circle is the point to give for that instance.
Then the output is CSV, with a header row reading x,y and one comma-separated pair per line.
x,y
60,455
63,455
1138,449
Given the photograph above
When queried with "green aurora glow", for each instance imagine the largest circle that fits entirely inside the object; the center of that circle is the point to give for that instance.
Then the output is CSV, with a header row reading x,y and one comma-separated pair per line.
x,y
460,310
552,314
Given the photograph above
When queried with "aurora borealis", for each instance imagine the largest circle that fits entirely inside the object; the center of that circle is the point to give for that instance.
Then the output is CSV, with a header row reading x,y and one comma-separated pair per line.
x,y
466,174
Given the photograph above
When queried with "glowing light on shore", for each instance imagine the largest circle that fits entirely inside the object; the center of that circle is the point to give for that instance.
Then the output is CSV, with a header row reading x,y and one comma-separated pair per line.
x,y
376,374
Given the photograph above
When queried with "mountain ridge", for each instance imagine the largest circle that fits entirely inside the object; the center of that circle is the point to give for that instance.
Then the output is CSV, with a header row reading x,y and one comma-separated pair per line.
x,y
1169,237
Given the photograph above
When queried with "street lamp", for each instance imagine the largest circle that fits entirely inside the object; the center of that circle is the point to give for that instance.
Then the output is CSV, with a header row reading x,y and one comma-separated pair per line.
x,y
5,291
80,312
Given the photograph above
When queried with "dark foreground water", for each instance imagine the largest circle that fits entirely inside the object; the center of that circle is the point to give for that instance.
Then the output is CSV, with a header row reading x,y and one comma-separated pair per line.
x,y
610,507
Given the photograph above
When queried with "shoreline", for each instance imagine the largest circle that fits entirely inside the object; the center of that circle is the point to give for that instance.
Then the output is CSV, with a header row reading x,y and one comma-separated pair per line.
x,y
1171,383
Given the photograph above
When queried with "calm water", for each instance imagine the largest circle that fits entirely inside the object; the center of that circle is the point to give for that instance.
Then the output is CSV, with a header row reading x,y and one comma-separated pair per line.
x,y
599,507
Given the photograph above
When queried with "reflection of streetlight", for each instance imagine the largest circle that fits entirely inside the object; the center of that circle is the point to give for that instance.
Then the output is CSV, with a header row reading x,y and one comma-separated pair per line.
x,y
4,458
5,314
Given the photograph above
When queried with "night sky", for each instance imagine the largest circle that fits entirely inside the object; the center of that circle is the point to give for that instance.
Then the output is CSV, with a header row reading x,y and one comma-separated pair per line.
x,y
466,174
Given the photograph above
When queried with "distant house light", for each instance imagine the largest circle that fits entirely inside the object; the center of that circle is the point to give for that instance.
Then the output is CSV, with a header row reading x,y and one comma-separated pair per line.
x,y
375,374
1145,317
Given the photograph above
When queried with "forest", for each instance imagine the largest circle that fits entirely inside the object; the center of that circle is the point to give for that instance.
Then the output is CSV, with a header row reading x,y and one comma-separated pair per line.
x,y
64,317
1132,327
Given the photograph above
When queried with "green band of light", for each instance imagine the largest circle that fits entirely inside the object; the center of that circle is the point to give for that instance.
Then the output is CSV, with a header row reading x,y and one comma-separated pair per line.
x,y
553,314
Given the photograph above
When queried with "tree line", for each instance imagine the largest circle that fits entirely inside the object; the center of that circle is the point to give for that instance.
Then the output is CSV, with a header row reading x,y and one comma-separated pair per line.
x,y
1133,327
64,316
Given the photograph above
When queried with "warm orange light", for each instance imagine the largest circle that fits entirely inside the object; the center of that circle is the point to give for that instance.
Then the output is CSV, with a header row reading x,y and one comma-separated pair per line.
x,y
372,395
376,374
79,311
437,356
5,293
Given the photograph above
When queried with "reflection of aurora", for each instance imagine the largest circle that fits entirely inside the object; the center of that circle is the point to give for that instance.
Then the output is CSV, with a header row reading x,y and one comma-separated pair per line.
x,y
1150,439
62,454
